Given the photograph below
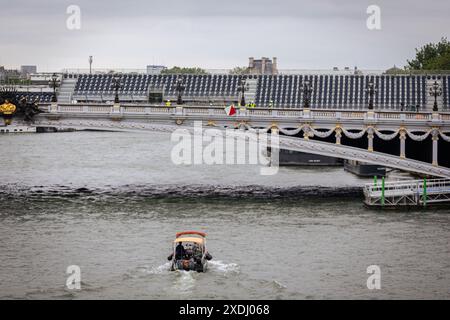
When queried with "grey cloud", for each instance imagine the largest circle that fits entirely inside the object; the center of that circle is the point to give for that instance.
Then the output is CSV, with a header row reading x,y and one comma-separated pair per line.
x,y
210,33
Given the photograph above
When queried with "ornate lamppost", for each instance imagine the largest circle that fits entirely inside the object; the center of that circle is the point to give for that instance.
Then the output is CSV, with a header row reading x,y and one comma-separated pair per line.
x,y
371,90
54,84
90,64
116,86
306,90
241,89
436,91
180,88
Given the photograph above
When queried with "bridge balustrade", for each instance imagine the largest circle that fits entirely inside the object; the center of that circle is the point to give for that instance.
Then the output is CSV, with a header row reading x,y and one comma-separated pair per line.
x,y
276,113
323,114
257,112
384,115
418,116
70,108
165,110
352,115
289,113
99,109
134,109
196,110
218,111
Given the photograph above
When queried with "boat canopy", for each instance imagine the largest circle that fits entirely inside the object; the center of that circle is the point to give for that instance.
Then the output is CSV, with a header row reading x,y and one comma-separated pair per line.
x,y
190,239
179,234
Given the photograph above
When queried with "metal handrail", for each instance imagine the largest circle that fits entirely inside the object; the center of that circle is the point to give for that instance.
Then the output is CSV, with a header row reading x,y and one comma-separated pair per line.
x,y
412,185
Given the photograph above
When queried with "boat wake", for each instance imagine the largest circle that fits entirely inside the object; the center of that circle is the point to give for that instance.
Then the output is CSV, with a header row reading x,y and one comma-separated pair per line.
x,y
162,269
184,281
147,270
222,267
214,266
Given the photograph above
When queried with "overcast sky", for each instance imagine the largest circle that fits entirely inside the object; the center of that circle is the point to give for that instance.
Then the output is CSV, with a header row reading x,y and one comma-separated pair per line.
x,y
316,34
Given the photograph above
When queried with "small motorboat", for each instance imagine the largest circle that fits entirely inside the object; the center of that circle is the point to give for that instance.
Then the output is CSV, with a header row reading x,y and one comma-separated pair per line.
x,y
189,252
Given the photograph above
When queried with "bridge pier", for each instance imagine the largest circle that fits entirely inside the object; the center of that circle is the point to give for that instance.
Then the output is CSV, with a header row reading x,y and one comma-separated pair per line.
x,y
116,108
402,144
338,135
54,107
370,141
179,110
435,139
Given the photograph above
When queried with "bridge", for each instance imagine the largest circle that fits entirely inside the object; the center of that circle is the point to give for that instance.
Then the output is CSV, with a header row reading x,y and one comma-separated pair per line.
x,y
312,131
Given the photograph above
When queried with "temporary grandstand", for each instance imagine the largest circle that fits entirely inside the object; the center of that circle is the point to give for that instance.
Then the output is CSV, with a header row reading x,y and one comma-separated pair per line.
x,y
39,95
334,91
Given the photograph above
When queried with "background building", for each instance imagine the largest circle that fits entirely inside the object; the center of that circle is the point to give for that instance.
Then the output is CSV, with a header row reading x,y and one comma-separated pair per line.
x,y
262,66
10,75
2,74
27,70
155,69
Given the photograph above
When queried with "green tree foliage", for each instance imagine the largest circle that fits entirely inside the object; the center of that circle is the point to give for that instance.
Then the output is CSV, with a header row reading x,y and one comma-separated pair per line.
x,y
182,70
239,70
395,70
432,56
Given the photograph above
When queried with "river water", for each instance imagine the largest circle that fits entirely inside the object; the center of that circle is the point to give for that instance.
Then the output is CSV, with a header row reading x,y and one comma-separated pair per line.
x,y
111,204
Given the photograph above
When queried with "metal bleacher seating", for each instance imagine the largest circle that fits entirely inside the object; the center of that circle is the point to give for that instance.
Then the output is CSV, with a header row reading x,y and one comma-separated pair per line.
x,y
41,97
342,91
328,91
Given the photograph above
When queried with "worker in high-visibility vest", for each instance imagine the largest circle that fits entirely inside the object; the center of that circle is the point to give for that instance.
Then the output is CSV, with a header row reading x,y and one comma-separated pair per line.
x,y
168,103
270,104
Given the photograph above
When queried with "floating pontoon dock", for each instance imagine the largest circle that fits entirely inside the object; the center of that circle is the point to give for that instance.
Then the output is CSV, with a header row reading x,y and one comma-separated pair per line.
x,y
407,193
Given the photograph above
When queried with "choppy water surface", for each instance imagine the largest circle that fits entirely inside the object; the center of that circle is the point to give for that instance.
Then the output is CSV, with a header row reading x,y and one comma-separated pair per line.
x,y
112,203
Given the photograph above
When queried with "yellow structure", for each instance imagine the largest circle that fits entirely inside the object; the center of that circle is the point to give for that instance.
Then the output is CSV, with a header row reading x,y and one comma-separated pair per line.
x,y
190,239
7,108
6,111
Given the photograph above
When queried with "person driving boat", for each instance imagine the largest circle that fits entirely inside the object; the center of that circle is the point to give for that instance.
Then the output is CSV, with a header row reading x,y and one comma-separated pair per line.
x,y
179,252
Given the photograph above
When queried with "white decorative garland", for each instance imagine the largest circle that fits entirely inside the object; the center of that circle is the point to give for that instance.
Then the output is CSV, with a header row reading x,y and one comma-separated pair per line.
x,y
443,136
291,132
386,137
321,134
417,137
352,135
348,134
